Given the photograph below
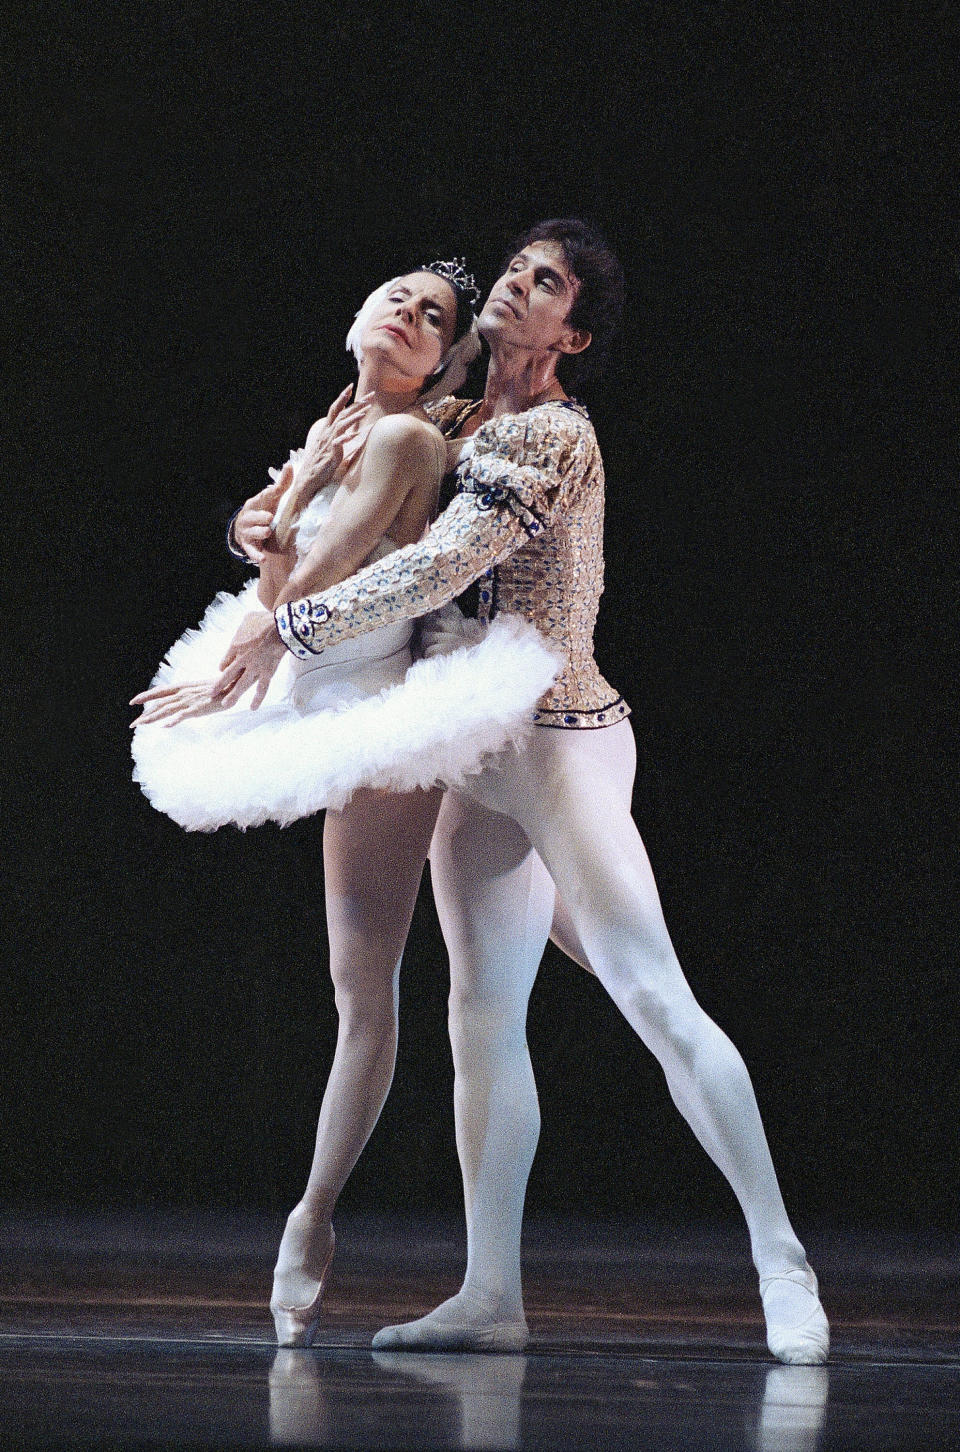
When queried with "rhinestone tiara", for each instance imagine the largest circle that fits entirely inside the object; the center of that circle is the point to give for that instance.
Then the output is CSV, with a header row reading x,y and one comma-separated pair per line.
x,y
455,272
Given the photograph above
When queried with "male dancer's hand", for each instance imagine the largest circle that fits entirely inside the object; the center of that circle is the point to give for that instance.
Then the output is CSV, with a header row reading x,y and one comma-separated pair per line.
x,y
251,660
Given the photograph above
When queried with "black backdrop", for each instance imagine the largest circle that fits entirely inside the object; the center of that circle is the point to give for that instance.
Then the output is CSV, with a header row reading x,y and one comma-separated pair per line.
x,y
202,205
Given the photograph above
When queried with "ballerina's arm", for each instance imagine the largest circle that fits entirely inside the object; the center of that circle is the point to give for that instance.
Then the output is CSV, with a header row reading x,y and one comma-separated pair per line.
x,y
521,473
396,494
397,489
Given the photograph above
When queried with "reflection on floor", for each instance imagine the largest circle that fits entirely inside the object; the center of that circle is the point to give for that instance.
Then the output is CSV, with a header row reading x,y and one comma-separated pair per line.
x,y
153,1331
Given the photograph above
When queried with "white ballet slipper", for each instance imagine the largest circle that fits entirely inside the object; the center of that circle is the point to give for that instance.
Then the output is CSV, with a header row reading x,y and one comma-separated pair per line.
x,y
455,1327
798,1332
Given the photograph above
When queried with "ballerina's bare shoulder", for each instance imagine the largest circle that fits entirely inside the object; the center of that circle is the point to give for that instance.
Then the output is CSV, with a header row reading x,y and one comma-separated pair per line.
x,y
404,458
409,435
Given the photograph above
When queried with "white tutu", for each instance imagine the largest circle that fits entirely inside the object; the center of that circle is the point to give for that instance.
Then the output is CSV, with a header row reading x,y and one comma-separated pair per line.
x,y
358,715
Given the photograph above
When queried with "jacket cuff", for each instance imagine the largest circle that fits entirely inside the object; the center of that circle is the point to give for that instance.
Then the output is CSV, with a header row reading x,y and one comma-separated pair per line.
x,y
297,627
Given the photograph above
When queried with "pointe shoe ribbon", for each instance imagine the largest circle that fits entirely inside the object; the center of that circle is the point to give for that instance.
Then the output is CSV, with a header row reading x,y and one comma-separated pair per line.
x,y
297,1325
802,1342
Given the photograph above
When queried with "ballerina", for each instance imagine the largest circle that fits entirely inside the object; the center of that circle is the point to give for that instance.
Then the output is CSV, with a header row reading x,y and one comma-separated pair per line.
x,y
337,731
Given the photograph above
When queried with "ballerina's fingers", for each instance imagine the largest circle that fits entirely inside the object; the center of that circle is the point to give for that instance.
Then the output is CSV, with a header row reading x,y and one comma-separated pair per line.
x,y
325,453
155,693
347,425
320,430
339,406
187,713
339,403
171,704
350,417
357,409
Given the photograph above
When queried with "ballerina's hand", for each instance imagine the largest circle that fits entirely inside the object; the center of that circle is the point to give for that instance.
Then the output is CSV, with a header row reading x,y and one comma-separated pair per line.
x,y
327,441
171,704
246,661
253,526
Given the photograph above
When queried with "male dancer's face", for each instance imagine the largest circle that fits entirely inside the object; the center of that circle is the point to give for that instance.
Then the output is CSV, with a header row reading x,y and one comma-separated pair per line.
x,y
529,305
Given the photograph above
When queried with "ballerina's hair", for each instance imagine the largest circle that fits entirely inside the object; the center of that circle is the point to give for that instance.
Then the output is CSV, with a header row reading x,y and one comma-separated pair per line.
x,y
452,368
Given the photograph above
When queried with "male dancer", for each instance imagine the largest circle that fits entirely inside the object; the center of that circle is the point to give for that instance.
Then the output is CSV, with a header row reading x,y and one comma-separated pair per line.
x,y
553,818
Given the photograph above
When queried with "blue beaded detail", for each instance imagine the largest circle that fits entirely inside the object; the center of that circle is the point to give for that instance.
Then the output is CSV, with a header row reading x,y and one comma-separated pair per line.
x,y
495,494
487,495
563,720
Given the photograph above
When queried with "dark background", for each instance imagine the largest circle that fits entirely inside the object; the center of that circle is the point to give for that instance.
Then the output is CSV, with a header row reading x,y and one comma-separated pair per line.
x,y
201,206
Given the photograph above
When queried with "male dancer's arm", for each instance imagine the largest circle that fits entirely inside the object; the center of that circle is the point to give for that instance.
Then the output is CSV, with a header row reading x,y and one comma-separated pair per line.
x,y
509,495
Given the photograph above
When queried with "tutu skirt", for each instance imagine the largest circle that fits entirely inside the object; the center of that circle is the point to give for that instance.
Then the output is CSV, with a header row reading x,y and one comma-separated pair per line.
x,y
362,714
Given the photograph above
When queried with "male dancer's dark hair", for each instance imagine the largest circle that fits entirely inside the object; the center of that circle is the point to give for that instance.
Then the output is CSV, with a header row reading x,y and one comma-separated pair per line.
x,y
599,301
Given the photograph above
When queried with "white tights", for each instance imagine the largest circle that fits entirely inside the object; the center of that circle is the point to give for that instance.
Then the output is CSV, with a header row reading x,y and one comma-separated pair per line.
x,y
552,818
374,851
558,813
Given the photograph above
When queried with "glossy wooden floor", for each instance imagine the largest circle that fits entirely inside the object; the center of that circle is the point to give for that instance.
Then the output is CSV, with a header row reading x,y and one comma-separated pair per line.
x,y
152,1331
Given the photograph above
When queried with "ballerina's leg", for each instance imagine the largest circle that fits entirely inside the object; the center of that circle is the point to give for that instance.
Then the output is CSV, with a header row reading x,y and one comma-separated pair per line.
x,y
374,850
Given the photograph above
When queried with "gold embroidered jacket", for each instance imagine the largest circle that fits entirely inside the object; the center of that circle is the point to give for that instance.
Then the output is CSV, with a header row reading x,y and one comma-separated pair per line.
x,y
527,524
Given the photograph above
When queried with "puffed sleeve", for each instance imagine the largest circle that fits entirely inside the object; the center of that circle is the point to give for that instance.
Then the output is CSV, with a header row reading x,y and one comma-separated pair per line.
x,y
514,476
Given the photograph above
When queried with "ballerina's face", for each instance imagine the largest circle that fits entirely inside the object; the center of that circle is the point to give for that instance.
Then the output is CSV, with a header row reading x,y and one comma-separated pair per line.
x,y
413,327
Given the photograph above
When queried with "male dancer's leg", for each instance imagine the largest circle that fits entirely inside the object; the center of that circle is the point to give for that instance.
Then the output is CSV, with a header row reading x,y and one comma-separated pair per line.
x,y
373,854
562,790
495,902
562,794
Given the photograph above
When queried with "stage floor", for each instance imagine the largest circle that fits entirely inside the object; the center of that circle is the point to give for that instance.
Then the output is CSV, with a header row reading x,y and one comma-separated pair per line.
x,y
153,1331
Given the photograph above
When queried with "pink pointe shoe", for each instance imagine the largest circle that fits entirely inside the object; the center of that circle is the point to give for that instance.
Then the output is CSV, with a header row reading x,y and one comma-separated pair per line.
x,y
297,1325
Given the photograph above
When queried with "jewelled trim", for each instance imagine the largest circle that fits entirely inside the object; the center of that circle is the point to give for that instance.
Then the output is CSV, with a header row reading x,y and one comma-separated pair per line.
x,y
295,626
487,596
450,414
489,495
594,720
